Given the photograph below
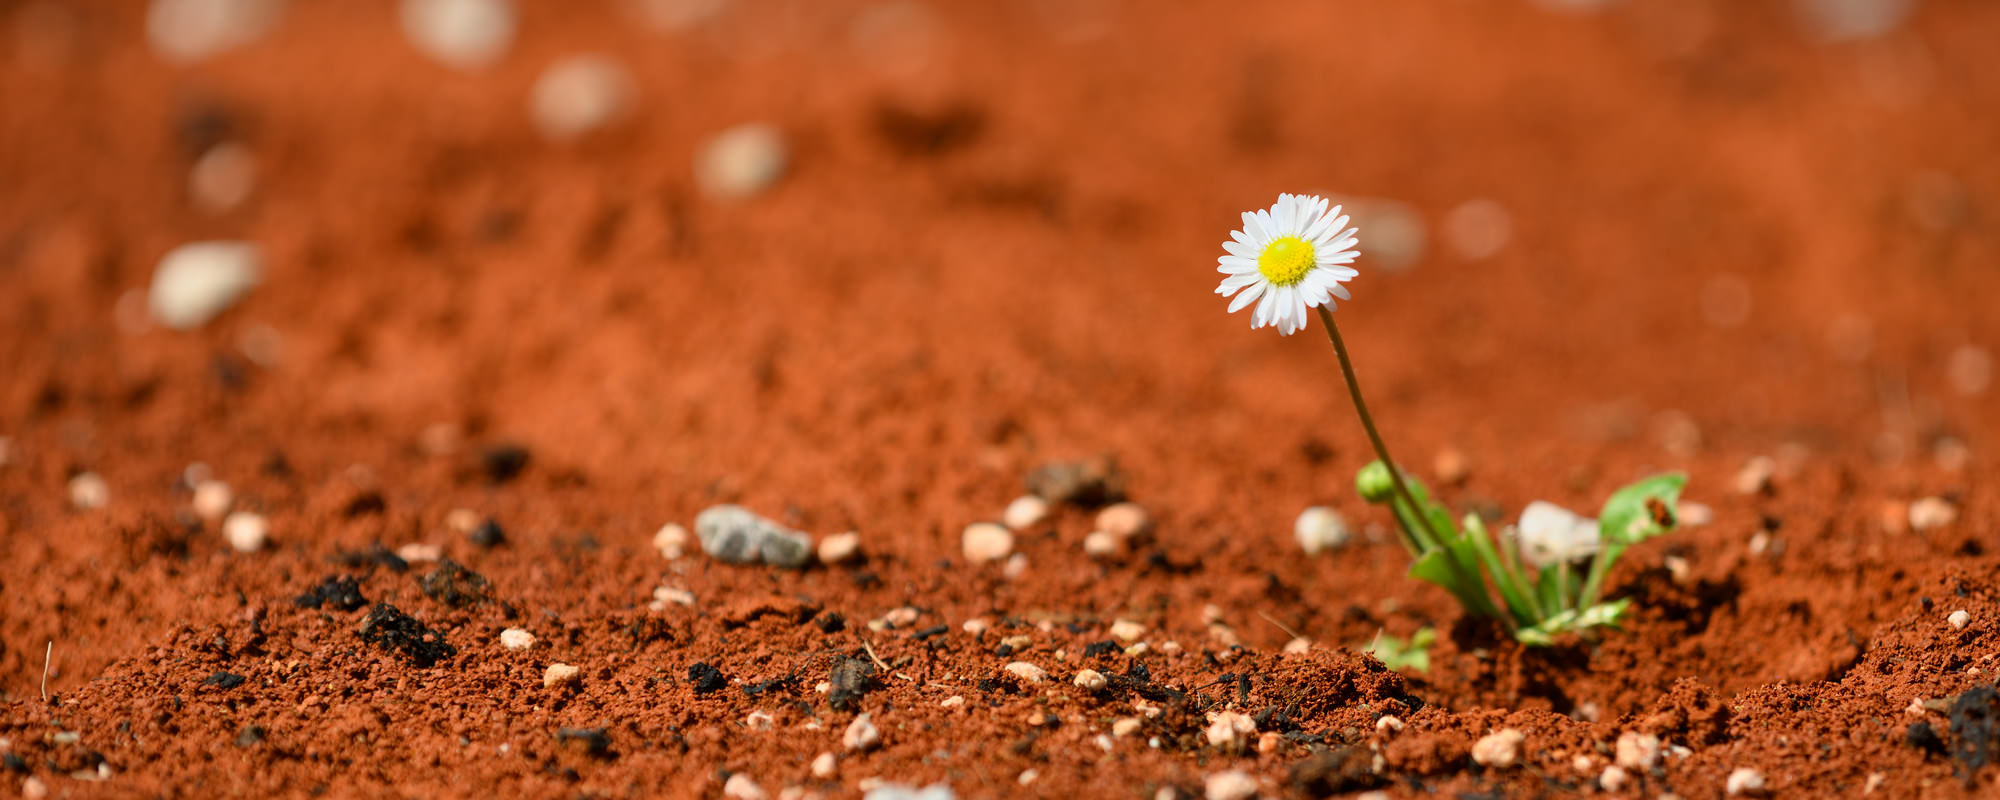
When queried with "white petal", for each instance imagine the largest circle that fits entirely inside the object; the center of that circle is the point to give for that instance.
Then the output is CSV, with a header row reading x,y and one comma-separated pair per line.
x,y
1235,282
1255,228
1257,288
1243,239
1298,309
1237,249
1267,308
1235,265
1340,292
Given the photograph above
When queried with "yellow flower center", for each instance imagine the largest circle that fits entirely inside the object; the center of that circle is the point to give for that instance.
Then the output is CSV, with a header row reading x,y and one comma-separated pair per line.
x,y
1286,260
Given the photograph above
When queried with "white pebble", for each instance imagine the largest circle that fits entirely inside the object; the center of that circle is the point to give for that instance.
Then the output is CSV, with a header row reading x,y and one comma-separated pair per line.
x,y
1477,229
462,520
1230,731
861,734
222,178
1755,476
759,720
1124,520
246,531
420,553
1102,545
1744,780
1389,723
671,540
1028,672
663,595
975,626
1959,619
1017,566
185,31
1025,512
1932,512
1849,20
212,499
195,282
578,95
1690,514
1320,529
1125,726
1638,751
1614,779
1091,680
464,34
953,701
1127,631
824,765
561,675
1499,749
1027,776
88,491
1298,646
517,639
1230,785
840,548
741,787
741,161
986,541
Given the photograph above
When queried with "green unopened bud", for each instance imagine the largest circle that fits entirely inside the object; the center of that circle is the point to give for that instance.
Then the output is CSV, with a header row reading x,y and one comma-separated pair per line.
x,y
1375,483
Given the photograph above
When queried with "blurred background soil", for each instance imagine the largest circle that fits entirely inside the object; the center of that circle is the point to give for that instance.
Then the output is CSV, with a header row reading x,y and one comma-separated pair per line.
x,y
1600,239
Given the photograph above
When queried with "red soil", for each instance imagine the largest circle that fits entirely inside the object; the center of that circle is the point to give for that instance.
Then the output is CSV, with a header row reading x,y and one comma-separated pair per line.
x,y
892,337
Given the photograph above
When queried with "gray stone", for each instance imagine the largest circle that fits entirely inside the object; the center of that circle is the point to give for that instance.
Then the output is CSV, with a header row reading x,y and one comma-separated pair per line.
x,y
736,535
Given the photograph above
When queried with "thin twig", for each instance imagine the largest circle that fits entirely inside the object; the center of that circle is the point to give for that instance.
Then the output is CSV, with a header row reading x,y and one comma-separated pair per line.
x,y
871,655
1281,626
47,653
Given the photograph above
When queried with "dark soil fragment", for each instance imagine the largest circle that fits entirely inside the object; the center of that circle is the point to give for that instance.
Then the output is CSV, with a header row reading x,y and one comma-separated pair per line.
x,y
851,679
250,735
454,585
1089,484
1975,729
488,534
502,462
590,741
375,555
1332,772
392,630
1923,737
914,132
223,680
831,622
706,678
341,591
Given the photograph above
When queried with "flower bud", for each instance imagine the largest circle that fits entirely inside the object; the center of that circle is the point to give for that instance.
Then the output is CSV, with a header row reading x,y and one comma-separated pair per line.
x,y
1375,483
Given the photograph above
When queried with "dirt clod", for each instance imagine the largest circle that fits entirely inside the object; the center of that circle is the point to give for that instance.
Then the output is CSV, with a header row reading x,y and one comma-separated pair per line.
x,y
342,592
454,585
392,630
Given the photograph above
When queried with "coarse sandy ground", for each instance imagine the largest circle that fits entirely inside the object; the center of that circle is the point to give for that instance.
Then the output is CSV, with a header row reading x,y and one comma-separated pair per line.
x,y
994,249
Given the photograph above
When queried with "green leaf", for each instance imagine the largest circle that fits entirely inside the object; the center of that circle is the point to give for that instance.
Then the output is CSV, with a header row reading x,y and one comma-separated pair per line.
x,y
1626,520
1456,568
1602,615
1514,589
1413,653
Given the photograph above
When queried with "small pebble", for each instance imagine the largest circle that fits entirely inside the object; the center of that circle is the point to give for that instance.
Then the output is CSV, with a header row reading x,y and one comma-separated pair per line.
x,y
1298,645
32,788
1499,749
663,595
419,553
735,535
1027,776
462,520
1614,779
741,787
902,617
88,491
1932,512
1389,723
839,548
671,541
516,639
825,765
1028,672
222,178
1755,476
246,531
1916,708
1744,781
1124,520
1231,785
758,720
986,541
560,675
1091,680
1125,726
1230,731
578,95
1638,752
1689,514
741,161
212,499
975,626
1875,781
463,34
1959,619
1321,529
953,701
1128,631
861,734
195,282
1451,466
1017,566
185,31
1025,512
1102,545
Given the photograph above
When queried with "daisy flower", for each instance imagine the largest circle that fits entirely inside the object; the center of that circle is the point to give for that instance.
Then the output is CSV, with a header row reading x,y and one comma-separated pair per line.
x,y
1551,534
1287,258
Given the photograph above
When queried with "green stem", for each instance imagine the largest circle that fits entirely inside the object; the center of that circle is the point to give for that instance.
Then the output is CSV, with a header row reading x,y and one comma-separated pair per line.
x,y
1600,564
1427,537
1562,586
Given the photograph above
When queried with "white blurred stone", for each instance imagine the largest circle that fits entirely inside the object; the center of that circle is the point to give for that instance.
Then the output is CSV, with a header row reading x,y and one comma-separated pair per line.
x,y
246,531
825,765
1932,512
1230,785
1320,529
1017,566
420,553
89,491
861,734
222,178
1101,545
212,499
1638,751
1028,673
1755,476
1478,229
195,282
580,94
1744,781
741,787
516,639
674,16
464,34
1500,749
1847,20
1230,731
671,540
984,541
184,31
741,161
1127,631
1614,779
561,675
1959,619
840,548
1025,512
1090,679
1124,520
